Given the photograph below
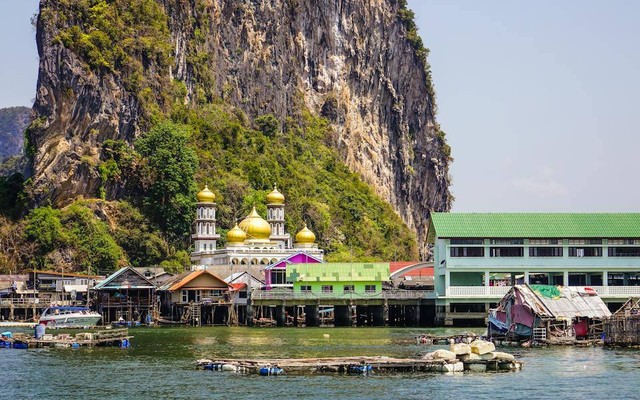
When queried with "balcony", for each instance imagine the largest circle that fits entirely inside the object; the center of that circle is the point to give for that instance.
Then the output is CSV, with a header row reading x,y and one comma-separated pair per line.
x,y
289,294
477,291
497,292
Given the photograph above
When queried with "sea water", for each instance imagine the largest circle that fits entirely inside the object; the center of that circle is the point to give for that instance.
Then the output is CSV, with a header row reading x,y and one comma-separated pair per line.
x,y
161,365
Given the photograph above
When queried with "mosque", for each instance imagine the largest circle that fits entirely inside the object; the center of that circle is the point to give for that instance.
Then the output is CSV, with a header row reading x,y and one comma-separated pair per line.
x,y
253,242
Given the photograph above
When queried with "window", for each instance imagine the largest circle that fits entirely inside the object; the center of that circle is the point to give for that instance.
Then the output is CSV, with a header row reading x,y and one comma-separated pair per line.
x,y
544,241
278,276
507,251
242,295
305,288
185,298
585,251
507,241
370,288
624,251
327,288
467,241
349,289
585,241
545,251
623,241
467,252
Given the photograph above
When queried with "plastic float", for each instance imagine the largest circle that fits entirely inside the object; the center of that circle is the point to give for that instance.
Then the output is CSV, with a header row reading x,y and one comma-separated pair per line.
x,y
359,369
220,367
270,370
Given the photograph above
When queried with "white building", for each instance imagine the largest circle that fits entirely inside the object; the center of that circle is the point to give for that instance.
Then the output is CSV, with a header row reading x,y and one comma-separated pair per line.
x,y
253,242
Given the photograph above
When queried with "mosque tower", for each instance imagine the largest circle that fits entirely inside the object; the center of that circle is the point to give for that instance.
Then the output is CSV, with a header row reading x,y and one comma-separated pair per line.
x,y
275,217
205,236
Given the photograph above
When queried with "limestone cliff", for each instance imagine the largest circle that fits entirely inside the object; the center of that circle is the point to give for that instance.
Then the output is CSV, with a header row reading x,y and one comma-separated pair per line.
x,y
13,121
348,60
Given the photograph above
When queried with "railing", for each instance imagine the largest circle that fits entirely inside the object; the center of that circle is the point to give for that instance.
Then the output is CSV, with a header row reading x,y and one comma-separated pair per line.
x,y
19,302
289,294
498,291
616,291
477,291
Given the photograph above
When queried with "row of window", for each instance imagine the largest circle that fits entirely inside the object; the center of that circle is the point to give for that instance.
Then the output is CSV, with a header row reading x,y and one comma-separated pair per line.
x,y
345,288
544,241
544,251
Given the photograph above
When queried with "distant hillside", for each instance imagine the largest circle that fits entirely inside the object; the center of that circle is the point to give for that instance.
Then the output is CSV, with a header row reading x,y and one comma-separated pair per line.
x,y
13,122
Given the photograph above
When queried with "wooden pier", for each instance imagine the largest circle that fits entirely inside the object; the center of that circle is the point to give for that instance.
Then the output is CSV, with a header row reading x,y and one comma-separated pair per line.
x,y
379,364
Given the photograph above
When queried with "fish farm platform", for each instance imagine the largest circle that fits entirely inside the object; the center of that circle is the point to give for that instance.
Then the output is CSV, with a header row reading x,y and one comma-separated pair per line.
x,y
111,337
379,364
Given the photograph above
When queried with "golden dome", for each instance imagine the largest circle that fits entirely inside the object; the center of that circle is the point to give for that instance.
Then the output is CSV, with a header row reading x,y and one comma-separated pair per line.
x,y
236,235
255,227
305,236
206,195
275,197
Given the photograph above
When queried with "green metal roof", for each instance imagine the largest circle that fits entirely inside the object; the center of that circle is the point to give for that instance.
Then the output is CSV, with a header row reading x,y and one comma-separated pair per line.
x,y
534,225
338,272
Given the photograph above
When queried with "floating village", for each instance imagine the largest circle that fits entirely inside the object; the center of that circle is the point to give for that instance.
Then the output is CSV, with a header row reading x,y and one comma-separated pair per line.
x,y
533,279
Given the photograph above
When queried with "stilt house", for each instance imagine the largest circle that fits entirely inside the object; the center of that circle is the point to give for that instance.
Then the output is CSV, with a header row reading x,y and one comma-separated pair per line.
x,y
126,295
545,313
198,298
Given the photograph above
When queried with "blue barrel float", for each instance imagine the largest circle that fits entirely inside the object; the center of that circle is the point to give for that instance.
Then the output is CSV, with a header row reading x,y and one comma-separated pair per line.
x,y
272,370
20,345
124,344
359,369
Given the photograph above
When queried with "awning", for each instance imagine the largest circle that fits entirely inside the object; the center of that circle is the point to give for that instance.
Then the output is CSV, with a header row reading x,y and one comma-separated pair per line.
x,y
75,288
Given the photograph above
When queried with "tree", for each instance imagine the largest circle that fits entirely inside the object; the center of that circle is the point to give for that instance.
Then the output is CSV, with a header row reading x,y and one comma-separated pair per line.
x,y
168,168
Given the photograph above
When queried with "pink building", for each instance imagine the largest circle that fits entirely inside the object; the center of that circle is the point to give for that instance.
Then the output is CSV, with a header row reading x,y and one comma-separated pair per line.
x,y
275,275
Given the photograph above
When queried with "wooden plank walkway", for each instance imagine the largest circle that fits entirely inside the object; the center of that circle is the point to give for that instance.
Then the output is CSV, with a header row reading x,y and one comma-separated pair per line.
x,y
379,364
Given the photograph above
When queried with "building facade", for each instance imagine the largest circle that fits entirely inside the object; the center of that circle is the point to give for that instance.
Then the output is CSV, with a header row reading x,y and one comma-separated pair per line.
x,y
478,257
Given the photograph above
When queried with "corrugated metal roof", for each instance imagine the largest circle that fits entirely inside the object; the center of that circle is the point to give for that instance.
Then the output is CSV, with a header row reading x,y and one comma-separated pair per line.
x,y
534,225
571,303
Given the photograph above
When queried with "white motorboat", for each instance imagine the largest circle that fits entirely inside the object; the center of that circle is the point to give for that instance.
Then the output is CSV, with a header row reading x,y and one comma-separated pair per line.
x,y
69,317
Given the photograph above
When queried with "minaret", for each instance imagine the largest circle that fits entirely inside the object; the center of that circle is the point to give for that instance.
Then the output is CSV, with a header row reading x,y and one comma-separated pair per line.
x,y
204,236
275,217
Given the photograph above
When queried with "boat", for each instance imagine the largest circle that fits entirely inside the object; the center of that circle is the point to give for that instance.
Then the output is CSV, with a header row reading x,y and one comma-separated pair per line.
x,y
69,317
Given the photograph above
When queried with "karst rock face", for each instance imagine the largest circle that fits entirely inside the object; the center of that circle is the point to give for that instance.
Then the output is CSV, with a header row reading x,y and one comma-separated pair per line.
x,y
349,61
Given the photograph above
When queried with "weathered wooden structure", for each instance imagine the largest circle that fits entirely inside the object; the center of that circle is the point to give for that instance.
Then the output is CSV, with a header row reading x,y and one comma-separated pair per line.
x,y
548,314
111,337
379,364
126,295
197,298
623,327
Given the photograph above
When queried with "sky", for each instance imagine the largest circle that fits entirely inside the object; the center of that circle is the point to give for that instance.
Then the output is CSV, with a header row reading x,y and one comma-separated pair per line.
x,y
538,98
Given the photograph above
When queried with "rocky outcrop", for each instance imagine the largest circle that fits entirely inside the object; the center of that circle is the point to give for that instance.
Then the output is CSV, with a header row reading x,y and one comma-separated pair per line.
x,y
349,60
13,121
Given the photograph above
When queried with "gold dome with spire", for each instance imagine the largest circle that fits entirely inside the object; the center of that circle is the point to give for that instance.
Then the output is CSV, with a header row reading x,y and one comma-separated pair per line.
x,y
257,229
275,197
206,195
236,235
305,236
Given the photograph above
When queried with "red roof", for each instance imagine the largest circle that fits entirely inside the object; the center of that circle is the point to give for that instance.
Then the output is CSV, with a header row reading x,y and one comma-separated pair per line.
x,y
238,286
424,271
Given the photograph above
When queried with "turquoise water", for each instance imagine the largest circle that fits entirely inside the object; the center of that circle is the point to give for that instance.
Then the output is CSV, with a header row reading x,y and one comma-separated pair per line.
x,y
160,365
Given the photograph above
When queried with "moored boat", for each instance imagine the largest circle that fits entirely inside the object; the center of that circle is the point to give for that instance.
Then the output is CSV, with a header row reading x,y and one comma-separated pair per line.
x,y
69,317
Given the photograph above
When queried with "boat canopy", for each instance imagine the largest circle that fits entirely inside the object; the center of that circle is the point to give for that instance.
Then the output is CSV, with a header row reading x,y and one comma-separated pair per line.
x,y
68,308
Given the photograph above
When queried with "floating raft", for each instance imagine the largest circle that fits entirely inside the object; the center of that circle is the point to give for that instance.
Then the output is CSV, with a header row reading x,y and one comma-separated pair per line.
x,y
380,364
111,337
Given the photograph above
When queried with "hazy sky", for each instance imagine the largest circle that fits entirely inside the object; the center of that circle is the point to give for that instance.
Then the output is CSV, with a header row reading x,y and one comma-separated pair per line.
x,y
537,97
